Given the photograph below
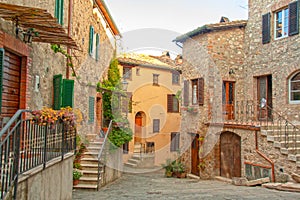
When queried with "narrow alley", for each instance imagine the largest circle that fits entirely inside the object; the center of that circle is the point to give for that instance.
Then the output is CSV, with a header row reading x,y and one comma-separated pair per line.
x,y
155,186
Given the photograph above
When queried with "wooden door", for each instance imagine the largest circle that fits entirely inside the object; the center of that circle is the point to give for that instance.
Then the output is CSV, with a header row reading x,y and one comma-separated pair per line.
x,y
230,158
228,100
138,128
11,84
195,155
264,97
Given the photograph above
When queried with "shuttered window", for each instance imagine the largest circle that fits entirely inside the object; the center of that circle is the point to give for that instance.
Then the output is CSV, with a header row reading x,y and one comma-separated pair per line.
x,y
175,78
1,76
57,92
156,125
175,139
63,92
59,11
198,91
266,28
186,93
91,109
91,40
294,18
97,47
68,93
172,103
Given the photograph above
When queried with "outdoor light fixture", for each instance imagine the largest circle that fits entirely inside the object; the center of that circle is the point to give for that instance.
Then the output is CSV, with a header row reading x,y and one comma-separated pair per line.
x,y
27,36
124,84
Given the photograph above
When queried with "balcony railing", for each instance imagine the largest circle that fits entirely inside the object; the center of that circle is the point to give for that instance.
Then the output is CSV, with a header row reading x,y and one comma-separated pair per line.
x,y
25,145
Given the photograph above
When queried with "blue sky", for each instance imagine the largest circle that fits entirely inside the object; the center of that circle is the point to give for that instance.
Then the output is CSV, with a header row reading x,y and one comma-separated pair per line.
x,y
137,17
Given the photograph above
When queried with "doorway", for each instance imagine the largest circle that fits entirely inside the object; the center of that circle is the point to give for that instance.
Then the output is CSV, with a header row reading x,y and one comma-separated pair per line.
x,y
139,123
264,97
230,155
195,155
228,99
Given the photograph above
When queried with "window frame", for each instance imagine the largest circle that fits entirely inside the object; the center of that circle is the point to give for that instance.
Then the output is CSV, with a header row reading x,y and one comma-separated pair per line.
x,y
175,78
198,91
155,79
290,89
129,71
175,141
285,19
172,102
156,125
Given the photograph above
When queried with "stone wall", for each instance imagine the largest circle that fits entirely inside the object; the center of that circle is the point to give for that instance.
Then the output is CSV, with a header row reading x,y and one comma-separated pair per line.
x,y
279,58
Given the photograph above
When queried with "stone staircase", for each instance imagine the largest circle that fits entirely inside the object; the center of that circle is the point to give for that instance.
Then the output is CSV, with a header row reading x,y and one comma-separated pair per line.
x,y
286,141
134,161
89,164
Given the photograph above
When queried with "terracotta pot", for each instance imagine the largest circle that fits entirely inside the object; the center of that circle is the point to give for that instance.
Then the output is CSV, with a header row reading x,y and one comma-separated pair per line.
x,y
75,182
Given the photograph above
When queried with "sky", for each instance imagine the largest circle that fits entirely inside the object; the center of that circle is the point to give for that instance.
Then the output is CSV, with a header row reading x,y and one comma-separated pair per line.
x,y
153,24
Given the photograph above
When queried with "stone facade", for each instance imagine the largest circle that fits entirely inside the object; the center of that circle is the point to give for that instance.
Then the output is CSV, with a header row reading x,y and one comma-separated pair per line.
x,y
238,55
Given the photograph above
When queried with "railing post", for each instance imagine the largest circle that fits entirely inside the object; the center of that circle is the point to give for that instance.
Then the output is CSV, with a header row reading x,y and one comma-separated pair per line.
x,y
62,141
45,147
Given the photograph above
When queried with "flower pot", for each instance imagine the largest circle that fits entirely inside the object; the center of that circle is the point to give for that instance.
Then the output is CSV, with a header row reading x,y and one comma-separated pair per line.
x,y
75,182
168,174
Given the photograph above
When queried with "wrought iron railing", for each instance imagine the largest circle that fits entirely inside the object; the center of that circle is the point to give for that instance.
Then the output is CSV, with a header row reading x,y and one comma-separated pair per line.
x,y
103,154
260,114
25,145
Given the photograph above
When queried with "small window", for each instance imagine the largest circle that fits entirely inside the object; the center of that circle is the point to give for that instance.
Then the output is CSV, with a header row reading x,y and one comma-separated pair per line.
x,y
281,23
198,91
127,73
156,125
155,79
125,148
294,87
172,104
175,139
175,78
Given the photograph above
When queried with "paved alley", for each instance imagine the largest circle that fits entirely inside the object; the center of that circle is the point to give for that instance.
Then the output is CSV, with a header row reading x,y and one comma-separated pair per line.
x,y
155,186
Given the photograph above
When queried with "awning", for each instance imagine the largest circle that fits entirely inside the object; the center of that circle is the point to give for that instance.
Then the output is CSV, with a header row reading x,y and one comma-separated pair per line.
x,y
49,31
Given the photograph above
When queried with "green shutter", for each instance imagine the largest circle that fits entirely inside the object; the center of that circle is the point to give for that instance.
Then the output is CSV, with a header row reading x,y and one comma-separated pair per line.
x,y
266,28
68,93
97,46
91,40
1,76
91,109
59,11
57,91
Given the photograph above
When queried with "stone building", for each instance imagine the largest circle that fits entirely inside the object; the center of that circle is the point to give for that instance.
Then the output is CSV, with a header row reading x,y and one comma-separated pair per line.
x,y
154,113
247,105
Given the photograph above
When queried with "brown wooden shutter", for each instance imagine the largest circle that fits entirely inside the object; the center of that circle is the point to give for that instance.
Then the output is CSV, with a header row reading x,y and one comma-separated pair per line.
x,y
201,91
293,18
186,93
170,103
266,36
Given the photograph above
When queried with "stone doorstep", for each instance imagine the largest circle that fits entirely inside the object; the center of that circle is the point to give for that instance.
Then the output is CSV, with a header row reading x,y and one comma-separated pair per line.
x,y
192,176
290,187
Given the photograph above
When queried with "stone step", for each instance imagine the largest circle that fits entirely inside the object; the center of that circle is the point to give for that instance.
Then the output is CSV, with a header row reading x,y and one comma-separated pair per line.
x,y
90,167
272,138
283,144
89,161
88,180
96,144
130,165
91,154
94,148
287,151
92,187
133,161
90,173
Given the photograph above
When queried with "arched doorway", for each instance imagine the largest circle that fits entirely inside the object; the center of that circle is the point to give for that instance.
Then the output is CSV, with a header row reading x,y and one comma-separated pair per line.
x,y
139,123
230,155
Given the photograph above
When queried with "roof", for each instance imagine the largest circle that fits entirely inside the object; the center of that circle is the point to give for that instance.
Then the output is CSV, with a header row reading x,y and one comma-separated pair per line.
x,y
108,16
211,27
43,23
143,60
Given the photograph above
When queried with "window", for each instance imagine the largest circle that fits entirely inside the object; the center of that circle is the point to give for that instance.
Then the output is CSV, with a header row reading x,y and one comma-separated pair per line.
x,y
155,79
281,23
156,124
91,109
198,91
138,70
294,86
186,93
97,47
91,41
175,138
286,22
127,103
125,148
172,104
175,77
63,92
127,73
59,11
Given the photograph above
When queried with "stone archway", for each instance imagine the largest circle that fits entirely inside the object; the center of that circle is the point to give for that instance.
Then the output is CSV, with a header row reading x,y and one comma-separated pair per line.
x,y
230,155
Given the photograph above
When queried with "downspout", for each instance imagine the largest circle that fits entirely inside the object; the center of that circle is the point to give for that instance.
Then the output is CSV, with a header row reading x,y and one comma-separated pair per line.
x,y
265,157
69,34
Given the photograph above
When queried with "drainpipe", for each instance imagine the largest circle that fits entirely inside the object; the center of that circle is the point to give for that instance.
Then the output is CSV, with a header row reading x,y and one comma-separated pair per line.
x,y
265,157
69,34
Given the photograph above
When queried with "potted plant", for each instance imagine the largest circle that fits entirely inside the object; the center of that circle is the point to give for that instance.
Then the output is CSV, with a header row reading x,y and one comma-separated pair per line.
x,y
168,168
179,169
76,176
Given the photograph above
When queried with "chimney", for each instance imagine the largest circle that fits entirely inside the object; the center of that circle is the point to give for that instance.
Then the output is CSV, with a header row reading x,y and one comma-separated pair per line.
x,y
224,19
166,53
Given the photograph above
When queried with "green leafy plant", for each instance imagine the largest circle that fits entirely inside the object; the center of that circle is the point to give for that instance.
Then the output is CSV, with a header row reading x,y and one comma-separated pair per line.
x,y
76,174
120,136
169,167
77,165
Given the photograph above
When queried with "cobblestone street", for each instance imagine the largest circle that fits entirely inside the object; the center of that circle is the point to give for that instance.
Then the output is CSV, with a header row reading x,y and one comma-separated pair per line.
x,y
155,186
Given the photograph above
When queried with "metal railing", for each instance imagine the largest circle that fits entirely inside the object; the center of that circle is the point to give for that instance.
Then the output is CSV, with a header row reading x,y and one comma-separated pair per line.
x,y
25,145
103,153
260,114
